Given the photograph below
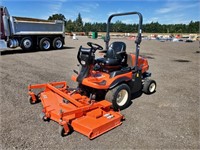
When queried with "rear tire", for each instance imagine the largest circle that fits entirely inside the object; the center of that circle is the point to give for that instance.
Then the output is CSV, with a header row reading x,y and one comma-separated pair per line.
x,y
149,86
26,43
45,44
119,97
57,43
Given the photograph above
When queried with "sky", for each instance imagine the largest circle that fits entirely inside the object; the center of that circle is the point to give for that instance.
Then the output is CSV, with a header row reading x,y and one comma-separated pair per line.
x,y
162,11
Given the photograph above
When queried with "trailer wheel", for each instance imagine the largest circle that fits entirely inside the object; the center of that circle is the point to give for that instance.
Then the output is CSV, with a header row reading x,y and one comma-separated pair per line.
x,y
119,96
45,44
57,43
26,43
149,86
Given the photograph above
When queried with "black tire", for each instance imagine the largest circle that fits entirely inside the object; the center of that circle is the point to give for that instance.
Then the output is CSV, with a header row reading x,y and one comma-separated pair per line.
x,y
149,86
120,97
62,131
26,43
58,43
43,117
45,44
31,100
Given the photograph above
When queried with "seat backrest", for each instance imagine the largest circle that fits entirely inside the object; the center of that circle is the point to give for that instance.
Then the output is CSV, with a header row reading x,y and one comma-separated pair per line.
x,y
114,48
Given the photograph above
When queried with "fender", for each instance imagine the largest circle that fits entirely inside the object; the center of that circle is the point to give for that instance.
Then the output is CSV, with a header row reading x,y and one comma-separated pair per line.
x,y
118,81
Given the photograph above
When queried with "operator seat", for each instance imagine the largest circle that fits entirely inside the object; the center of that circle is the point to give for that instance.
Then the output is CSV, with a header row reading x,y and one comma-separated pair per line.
x,y
115,56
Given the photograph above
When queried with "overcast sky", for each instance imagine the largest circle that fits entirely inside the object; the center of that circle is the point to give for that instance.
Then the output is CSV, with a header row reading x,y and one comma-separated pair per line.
x,y
162,11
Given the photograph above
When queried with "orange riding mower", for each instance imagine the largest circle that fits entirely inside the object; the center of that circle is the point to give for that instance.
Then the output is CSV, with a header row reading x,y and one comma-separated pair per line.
x,y
105,86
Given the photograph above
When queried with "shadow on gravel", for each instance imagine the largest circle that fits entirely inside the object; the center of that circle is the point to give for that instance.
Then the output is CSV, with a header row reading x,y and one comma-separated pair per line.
x,y
20,51
197,52
181,60
134,96
147,55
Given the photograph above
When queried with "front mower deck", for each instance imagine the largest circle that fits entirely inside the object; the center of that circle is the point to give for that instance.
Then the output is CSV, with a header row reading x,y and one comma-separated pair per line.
x,y
69,108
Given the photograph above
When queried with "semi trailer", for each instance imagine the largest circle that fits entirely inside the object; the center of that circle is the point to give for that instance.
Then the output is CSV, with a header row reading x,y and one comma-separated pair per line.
x,y
30,33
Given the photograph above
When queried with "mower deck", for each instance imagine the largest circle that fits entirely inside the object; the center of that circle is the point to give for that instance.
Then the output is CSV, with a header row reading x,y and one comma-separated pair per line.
x,y
68,108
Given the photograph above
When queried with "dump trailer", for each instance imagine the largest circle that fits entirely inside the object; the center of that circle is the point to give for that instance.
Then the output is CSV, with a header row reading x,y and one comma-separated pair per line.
x,y
30,33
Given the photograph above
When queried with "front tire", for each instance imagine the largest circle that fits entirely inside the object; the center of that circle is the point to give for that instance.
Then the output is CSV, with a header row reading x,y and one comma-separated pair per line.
x,y
149,86
120,97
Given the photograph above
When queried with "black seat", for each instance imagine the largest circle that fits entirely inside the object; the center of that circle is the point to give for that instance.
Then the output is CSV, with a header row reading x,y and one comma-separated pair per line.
x,y
115,56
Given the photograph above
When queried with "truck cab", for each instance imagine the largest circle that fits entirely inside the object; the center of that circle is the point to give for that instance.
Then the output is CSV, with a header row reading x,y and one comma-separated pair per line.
x,y
3,12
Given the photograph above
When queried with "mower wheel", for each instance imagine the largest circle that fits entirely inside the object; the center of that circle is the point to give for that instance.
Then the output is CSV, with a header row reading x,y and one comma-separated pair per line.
x,y
62,131
31,100
43,117
149,86
119,97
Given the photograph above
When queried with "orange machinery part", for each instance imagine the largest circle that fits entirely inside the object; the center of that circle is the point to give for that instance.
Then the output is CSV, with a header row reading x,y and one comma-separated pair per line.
x,y
70,108
142,62
95,78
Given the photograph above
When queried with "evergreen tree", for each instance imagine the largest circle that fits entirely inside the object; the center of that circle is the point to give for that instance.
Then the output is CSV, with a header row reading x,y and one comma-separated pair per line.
x,y
118,26
70,26
79,24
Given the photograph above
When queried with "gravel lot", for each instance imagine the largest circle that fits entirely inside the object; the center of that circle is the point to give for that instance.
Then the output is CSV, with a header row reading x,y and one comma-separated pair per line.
x,y
168,119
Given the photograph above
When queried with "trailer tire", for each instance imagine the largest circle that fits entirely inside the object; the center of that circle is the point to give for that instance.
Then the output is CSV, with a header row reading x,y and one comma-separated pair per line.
x,y
26,43
57,43
120,96
45,44
149,86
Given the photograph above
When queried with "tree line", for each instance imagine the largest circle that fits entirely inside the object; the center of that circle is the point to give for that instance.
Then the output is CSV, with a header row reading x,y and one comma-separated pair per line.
x,y
154,27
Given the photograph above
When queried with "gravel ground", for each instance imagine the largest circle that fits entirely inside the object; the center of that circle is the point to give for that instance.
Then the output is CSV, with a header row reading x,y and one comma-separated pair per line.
x,y
168,119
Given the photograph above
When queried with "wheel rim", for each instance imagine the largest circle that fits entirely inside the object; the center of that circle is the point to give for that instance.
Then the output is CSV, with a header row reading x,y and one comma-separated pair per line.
x,y
27,43
122,97
46,44
58,44
152,87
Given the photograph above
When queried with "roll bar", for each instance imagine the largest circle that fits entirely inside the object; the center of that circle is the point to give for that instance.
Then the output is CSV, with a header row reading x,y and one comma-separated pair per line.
x,y
139,36
138,41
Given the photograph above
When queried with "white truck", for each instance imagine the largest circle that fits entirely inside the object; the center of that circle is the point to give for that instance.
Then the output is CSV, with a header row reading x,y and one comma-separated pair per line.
x,y
30,33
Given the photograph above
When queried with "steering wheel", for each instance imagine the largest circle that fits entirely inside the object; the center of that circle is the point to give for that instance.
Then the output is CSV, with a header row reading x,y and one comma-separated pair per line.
x,y
94,46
